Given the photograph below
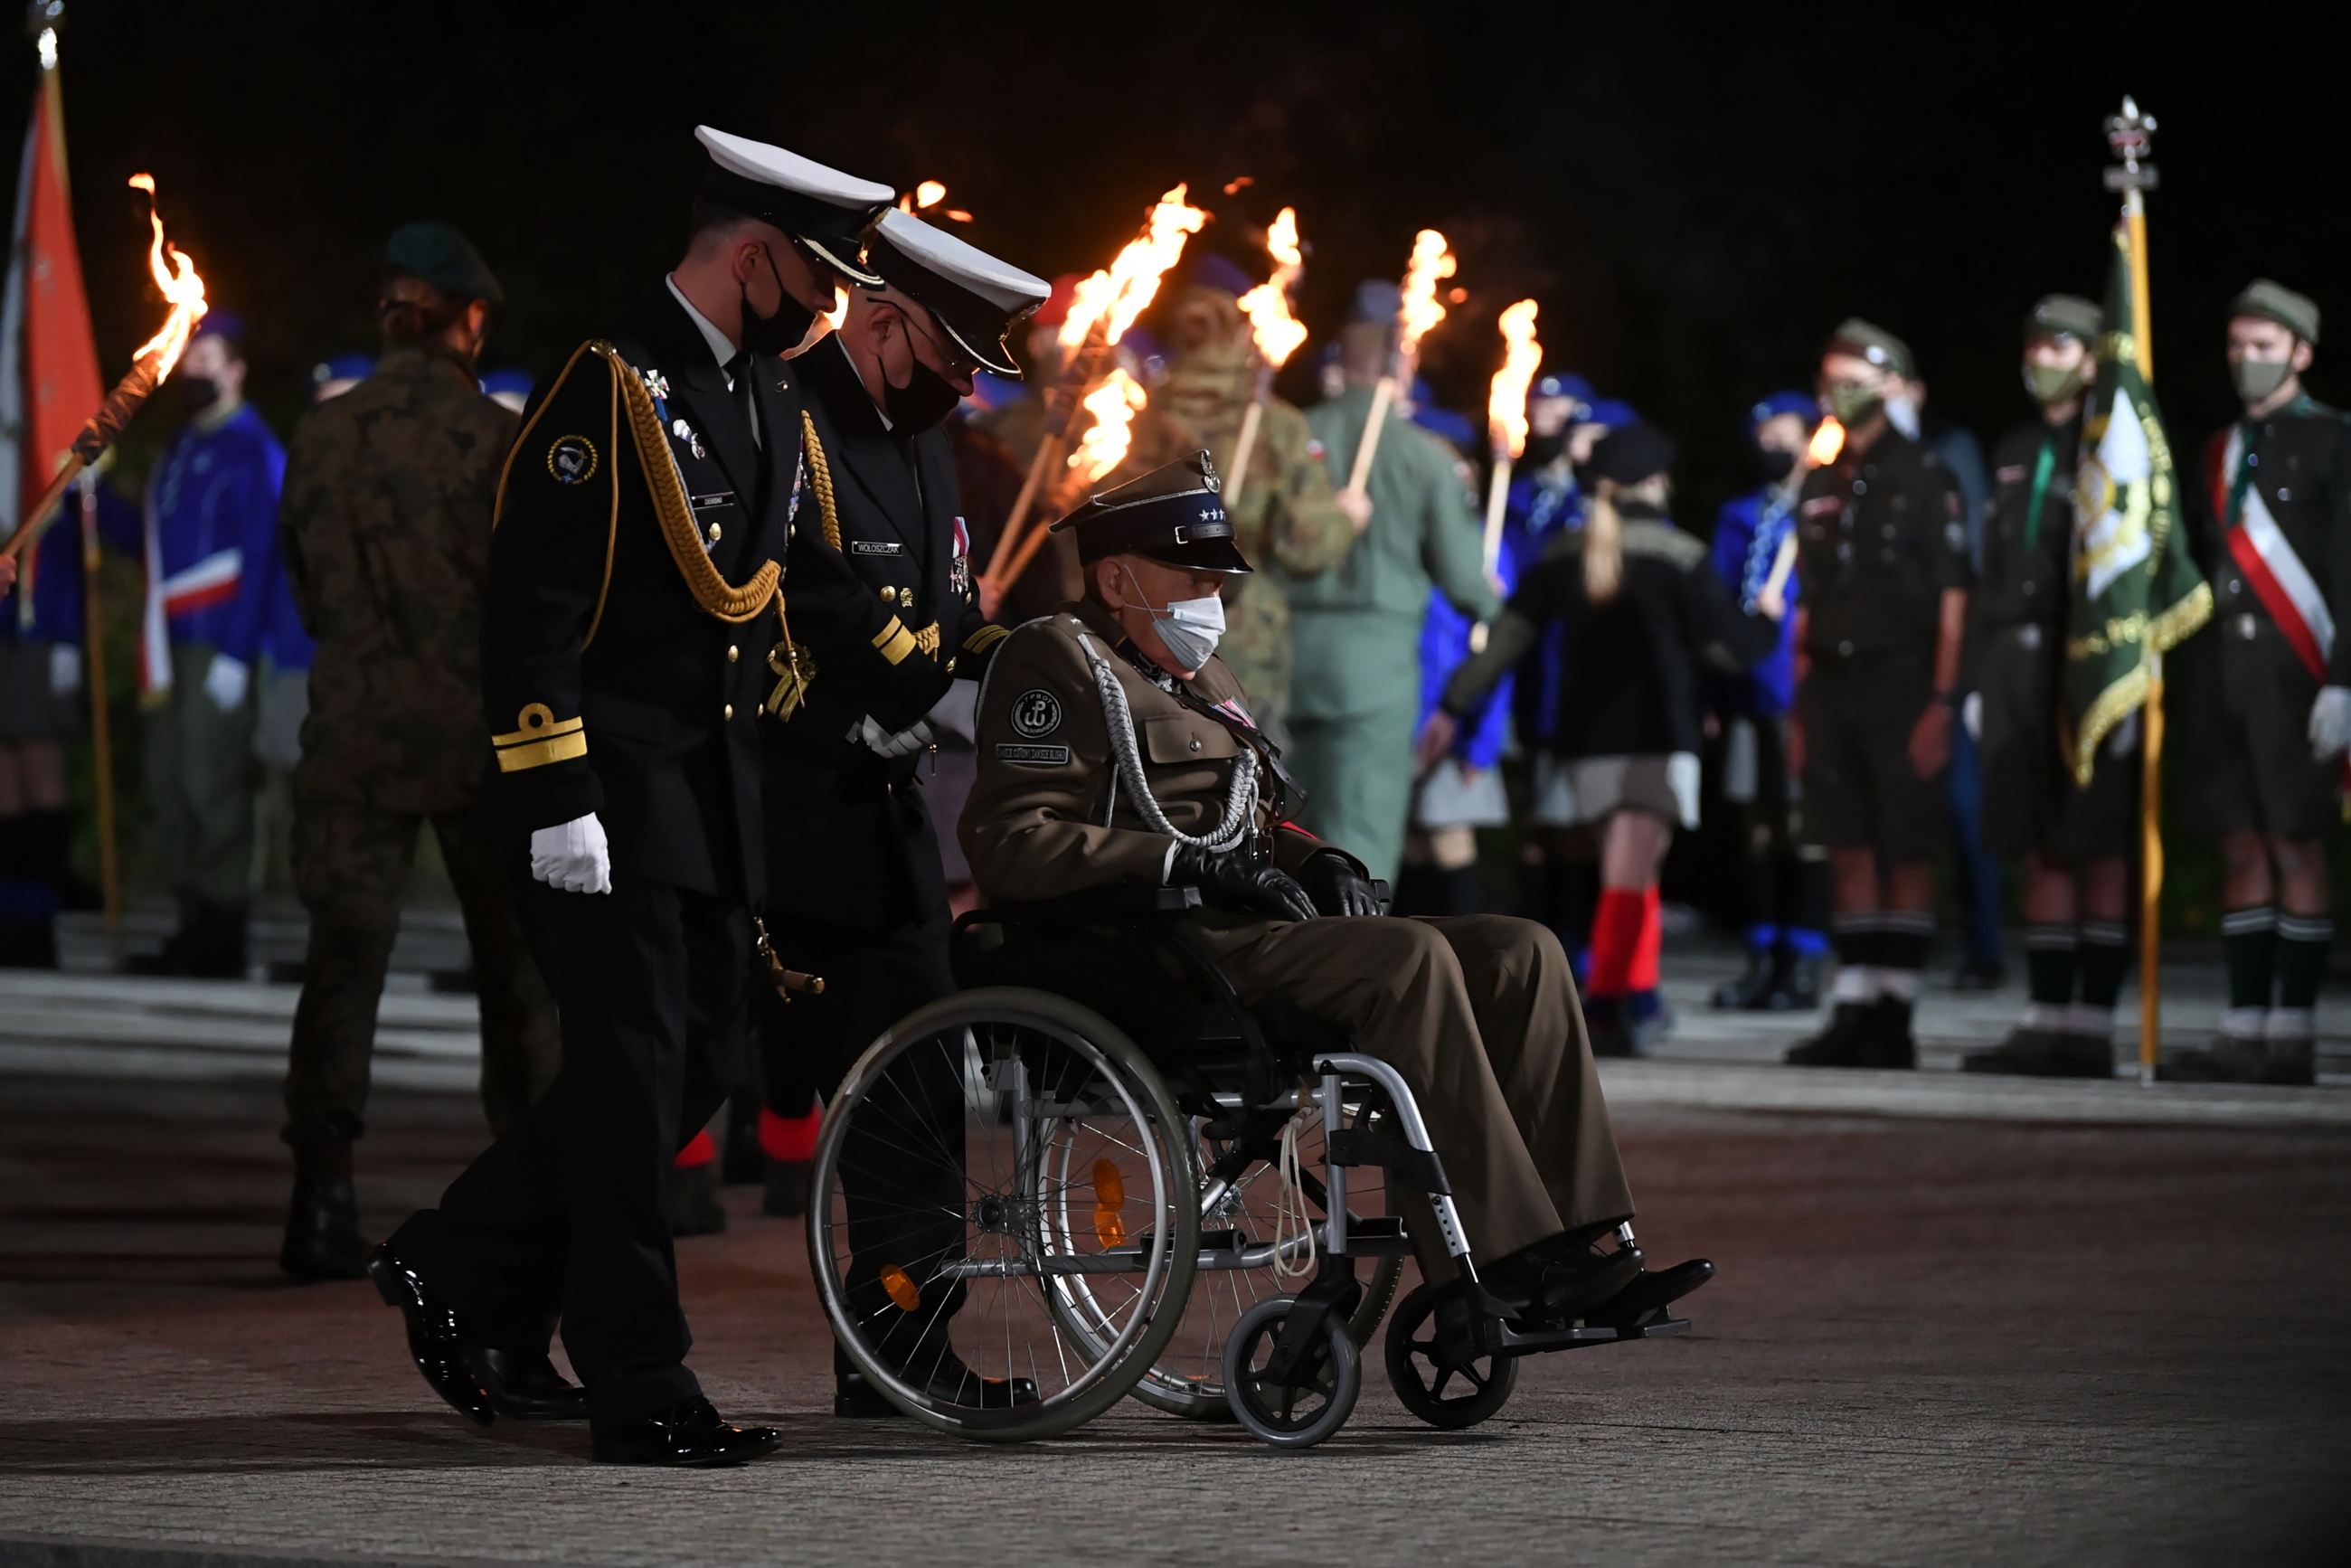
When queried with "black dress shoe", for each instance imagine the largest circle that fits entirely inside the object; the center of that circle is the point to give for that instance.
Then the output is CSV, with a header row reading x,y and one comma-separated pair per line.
x,y
1750,992
1549,1283
523,1386
950,1382
1843,1044
691,1437
1650,1290
433,1337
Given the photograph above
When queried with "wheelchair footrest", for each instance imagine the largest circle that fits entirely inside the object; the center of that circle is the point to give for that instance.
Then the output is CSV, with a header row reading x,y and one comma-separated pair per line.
x,y
1656,1324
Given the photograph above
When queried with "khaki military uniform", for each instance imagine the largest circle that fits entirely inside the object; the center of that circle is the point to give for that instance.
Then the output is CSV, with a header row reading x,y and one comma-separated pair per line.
x,y
385,528
1355,689
1478,1013
1289,515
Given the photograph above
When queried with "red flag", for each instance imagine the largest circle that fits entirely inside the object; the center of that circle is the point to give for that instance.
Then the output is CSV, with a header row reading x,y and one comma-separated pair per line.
x,y
61,378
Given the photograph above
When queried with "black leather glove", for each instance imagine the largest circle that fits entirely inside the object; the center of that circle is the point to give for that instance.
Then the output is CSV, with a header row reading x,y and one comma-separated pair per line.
x,y
1332,880
1231,880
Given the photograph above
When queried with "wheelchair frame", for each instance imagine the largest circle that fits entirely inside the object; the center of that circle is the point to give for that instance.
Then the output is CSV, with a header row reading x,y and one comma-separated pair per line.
x,y
1286,1347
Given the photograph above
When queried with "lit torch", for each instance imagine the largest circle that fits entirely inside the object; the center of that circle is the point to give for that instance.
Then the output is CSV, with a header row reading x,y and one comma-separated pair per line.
x,y
1827,442
1113,405
1506,416
185,291
1277,334
1101,309
1416,312
1772,597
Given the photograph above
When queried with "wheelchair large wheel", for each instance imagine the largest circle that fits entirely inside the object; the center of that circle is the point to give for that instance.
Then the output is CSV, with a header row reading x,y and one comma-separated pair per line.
x,y
998,1163
1443,1396
1300,1410
1188,1378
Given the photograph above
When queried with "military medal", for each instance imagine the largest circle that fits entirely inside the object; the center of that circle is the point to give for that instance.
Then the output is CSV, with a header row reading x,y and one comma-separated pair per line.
x,y
685,432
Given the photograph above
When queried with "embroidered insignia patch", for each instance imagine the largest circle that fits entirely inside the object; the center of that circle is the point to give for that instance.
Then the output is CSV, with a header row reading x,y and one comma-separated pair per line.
x,y
1036,712
572,459
1034,755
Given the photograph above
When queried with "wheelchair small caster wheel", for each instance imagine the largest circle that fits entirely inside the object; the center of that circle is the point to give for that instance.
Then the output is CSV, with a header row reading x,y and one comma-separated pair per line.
x,y
1312,1400
1446,1396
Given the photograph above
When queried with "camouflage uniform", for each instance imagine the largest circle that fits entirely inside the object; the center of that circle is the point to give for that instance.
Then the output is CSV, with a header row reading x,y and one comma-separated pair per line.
x,y
385,527
1288,513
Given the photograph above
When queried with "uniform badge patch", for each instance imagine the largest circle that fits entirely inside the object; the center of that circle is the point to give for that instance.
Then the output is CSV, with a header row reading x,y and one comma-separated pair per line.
x,y
1036,712
572,459
1034,755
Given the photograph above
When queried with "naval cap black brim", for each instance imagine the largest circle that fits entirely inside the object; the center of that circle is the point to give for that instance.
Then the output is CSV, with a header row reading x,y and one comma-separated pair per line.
x,y
829,230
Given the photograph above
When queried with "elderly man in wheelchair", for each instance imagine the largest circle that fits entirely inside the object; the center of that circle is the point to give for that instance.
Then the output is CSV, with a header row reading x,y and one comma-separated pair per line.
x,y
1197,1083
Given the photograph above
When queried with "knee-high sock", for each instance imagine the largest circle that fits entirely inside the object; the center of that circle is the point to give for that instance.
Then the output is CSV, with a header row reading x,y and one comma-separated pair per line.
x,y
2053,958
700,1150
1615,942
2106,954
1642,976
1909,936
790,1137
2302,948
2250,939
1859,944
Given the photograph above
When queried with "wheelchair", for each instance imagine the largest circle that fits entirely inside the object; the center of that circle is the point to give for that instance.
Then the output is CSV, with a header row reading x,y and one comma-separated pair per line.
x,y
1099,1174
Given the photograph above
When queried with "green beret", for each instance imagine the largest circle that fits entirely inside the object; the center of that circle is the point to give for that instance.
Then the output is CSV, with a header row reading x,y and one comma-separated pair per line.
x,y
443,259
1866,340
2297,313
2067,314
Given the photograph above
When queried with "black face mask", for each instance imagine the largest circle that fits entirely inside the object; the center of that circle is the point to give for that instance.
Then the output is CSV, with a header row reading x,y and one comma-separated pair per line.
x,y
1774,463
925,402
782,332
199,392
1542,449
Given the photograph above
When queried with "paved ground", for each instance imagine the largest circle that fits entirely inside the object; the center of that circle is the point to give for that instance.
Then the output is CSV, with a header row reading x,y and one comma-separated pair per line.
x,y
1935,1340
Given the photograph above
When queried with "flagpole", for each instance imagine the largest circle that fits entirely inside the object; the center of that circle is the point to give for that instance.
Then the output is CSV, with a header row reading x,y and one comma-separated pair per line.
x,y
2131,135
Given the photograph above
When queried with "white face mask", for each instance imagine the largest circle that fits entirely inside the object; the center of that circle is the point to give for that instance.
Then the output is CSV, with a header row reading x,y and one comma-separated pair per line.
x,y
1190,627
1903,414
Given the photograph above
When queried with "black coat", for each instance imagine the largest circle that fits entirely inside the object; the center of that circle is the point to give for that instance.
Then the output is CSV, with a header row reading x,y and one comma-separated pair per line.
x,y
618,677
881,596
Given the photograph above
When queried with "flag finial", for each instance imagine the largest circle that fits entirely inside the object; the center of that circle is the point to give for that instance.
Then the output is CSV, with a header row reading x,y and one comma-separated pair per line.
x,y
2131,135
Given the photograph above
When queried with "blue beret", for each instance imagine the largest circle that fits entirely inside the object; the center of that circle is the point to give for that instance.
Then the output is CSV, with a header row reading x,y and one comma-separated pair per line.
x,y
1563,383
1376,300
219,323
1210,270
1803,405
496,382
1613,413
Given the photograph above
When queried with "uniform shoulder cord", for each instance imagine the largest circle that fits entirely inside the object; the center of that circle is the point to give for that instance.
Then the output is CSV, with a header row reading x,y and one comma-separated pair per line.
x,y
1126,763
820,476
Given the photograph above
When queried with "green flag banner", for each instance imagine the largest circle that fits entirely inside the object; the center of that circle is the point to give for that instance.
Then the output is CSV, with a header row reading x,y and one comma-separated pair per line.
x,y
2136,592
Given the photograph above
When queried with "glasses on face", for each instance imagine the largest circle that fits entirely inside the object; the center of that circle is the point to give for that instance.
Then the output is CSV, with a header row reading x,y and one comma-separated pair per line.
x,y
959,361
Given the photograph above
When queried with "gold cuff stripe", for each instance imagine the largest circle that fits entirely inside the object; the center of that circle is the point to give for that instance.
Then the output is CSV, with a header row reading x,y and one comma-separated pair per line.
x,y
537,732
987,637
713,592
894,641
540,753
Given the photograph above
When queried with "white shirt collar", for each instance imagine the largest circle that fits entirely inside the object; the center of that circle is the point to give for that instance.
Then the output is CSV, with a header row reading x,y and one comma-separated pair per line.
x,y
721,348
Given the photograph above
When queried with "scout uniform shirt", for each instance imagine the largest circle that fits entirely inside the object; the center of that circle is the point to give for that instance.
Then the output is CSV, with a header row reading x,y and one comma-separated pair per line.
x,y
1054,814
1880,535
2298,460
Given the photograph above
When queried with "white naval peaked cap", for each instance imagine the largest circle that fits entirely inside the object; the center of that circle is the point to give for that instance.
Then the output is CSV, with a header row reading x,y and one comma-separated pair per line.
x,y
822,208
976,297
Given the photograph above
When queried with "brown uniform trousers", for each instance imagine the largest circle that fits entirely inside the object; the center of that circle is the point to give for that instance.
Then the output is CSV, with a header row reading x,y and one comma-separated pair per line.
x,y
1478,1014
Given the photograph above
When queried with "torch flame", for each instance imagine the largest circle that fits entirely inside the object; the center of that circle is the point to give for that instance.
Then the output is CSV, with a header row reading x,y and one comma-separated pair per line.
x,y
1277,331
1113,405
839,311
1827,442
1506,405
930,194
1431,260
180,286
1116,296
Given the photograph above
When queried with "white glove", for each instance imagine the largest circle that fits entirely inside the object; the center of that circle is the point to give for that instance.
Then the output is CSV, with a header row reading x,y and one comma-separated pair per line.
x,y
1971,715
573,856
2330,722
881,743
226,681
64,669
958,712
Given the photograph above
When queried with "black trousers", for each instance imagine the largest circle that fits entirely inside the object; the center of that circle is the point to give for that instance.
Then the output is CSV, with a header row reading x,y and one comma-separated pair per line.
x,y
566,1217
902,1172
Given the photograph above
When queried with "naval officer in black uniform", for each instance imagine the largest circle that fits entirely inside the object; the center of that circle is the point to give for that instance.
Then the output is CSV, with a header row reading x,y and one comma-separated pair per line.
x,y
632,597
886,628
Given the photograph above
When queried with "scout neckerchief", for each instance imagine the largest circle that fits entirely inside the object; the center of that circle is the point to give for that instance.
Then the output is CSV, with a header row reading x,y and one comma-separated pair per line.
x,y
2043,468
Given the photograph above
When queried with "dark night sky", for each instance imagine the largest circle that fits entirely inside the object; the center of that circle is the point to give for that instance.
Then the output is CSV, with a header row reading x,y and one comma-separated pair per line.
x,y
1696,195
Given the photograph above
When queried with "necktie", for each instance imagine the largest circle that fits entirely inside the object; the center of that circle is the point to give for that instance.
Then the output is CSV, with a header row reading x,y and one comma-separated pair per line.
x,y
738,371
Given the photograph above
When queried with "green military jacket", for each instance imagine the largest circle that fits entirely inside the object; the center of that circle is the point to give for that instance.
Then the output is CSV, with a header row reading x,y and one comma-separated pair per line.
x,y
384,524
1289,515
1357,628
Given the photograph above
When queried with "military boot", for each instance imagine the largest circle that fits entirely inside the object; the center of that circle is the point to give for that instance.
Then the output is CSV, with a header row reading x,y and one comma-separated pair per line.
x,y
1796,986
322,1225
2228,1060
1888,1042
2293,1061
1750,992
